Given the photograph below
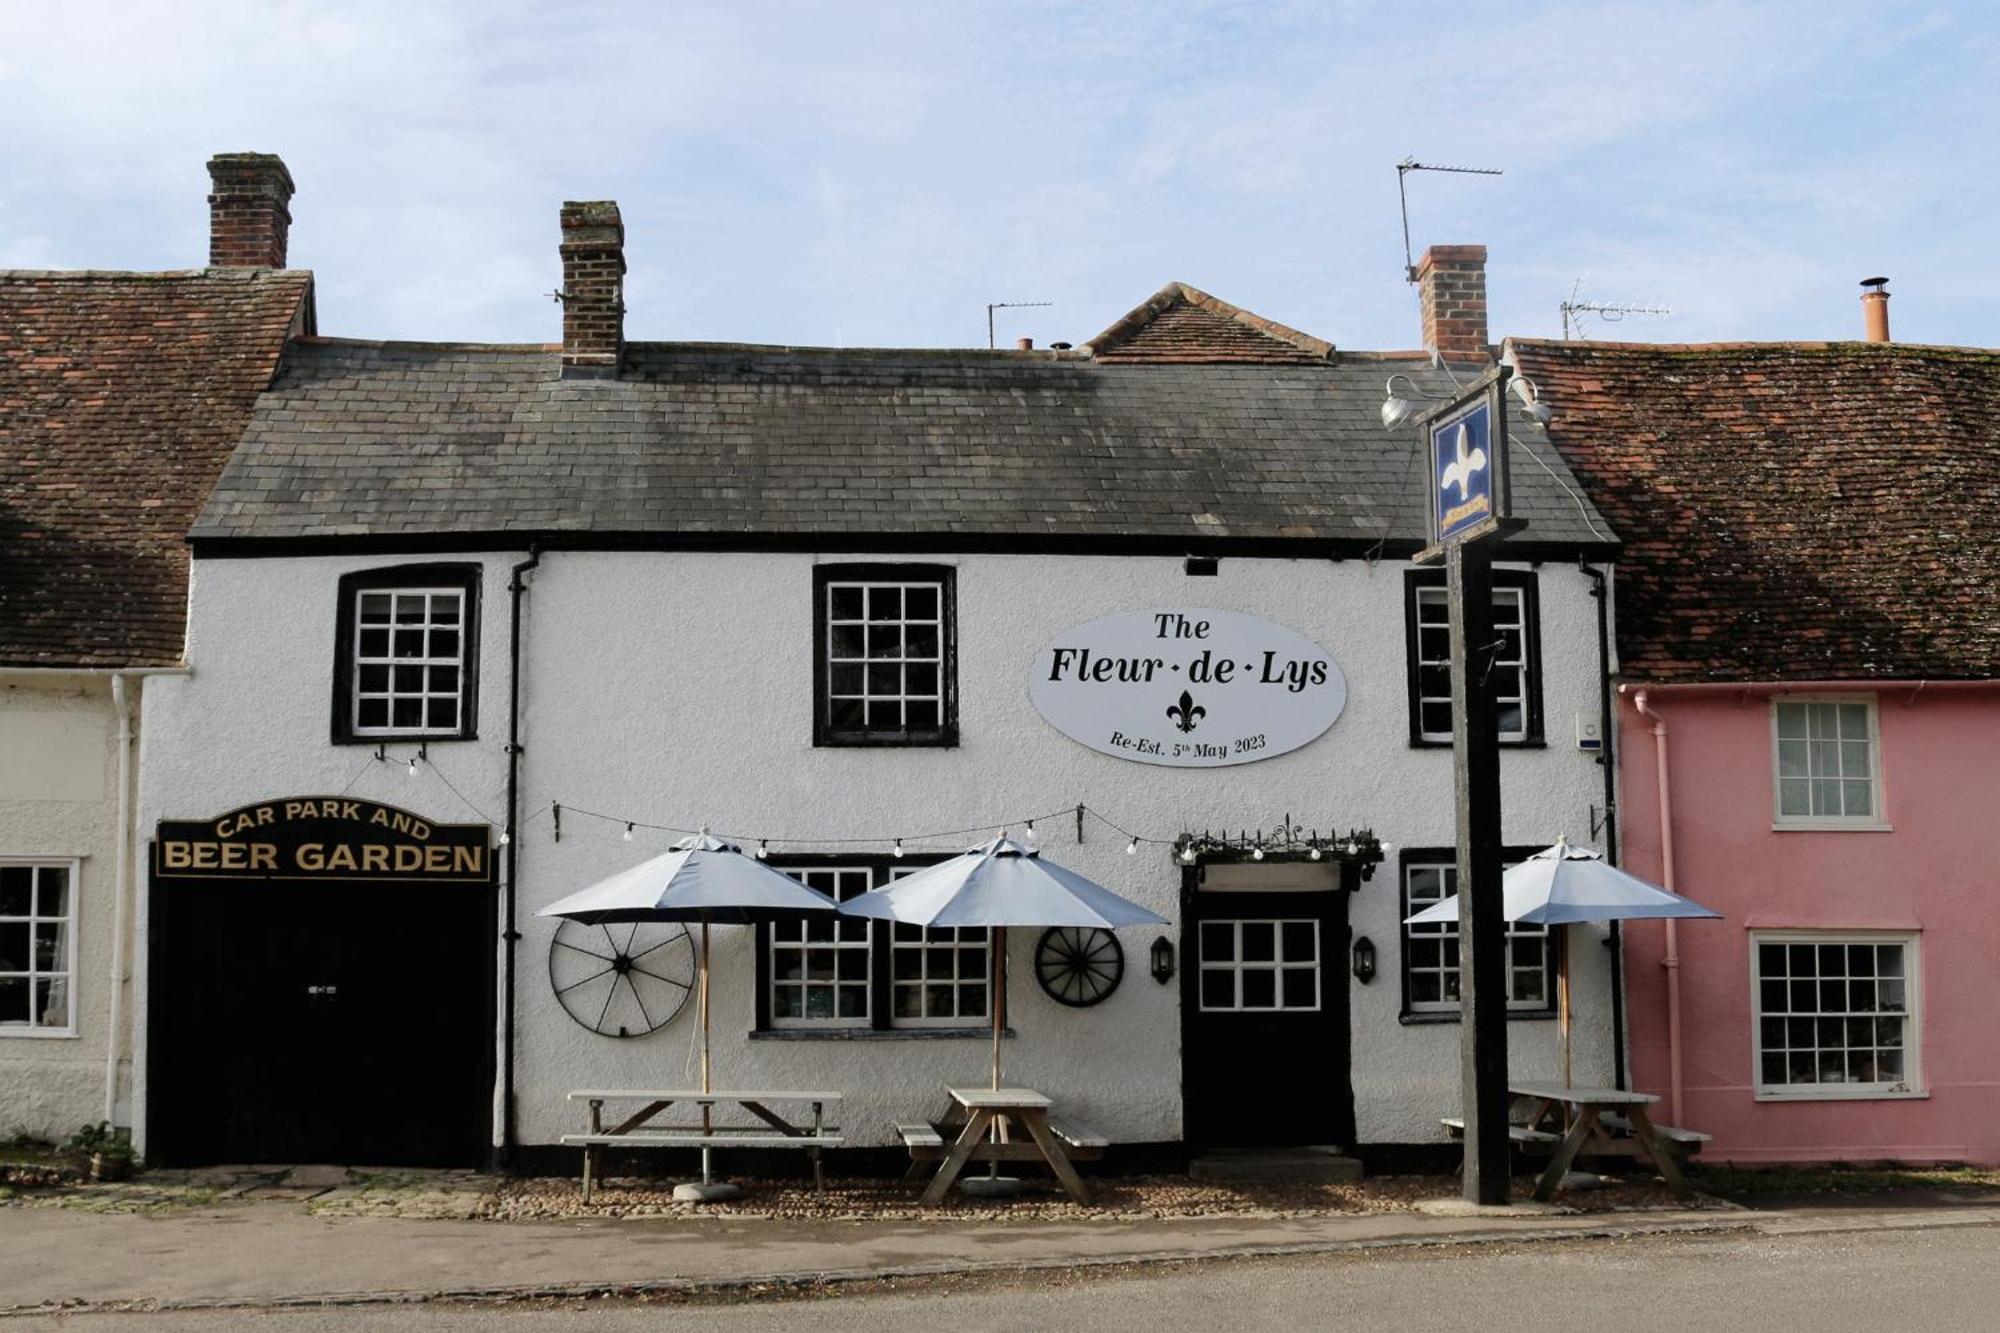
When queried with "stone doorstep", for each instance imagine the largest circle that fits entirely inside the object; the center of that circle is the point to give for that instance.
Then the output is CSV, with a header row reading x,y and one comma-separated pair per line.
x,y
1317,1165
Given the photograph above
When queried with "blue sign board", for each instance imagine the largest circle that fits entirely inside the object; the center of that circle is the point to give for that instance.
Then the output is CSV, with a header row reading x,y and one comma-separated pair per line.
x,y
1468,481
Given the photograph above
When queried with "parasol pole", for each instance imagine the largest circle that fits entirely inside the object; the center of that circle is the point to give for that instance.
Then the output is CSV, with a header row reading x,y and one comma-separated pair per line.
x,y
999,996
1562,998
707,1127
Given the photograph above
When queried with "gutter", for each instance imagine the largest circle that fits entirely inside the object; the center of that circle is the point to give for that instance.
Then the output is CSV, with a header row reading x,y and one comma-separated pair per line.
x,y
1672,960
1766,687
516,588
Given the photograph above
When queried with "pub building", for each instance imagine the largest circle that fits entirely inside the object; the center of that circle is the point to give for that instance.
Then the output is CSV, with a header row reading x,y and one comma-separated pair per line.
x,y
474,626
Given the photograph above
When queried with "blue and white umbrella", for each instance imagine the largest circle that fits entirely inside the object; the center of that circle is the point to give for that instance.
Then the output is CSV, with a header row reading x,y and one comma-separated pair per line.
x,y
999,884
1563,886
701,879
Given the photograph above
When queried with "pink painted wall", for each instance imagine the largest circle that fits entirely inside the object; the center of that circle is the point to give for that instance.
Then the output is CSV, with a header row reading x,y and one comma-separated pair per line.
x,y
1937,872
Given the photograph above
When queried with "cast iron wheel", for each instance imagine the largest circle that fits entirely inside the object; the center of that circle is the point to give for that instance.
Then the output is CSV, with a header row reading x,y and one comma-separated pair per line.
x,y
1079,966
621,980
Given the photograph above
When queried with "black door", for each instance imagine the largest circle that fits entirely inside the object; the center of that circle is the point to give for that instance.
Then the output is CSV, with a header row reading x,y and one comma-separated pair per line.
x,y
320,1023
1264,1037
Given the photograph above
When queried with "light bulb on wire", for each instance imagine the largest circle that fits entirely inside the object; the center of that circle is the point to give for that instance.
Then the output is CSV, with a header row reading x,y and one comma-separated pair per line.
x,y
413,765
1132,847
1031,838
763,848
1258,854
628,833
897,850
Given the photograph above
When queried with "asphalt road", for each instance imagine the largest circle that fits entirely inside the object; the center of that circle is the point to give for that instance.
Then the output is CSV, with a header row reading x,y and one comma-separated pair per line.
x,y
1939,1278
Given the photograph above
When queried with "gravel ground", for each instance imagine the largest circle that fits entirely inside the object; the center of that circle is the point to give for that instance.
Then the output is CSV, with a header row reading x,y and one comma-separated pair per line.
x,y
1113,1199
466,1195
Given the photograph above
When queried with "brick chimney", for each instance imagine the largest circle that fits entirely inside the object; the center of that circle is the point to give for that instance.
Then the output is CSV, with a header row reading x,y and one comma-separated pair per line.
x,y
249,210
593,291
1451,285
1875,309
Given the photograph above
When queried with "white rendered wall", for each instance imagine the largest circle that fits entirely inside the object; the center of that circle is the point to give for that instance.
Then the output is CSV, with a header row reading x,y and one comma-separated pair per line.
x,y
677,689
58,800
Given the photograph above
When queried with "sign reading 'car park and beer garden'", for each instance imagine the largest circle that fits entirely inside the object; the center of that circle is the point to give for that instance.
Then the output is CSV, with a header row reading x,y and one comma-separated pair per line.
x,y
1187,688
323,838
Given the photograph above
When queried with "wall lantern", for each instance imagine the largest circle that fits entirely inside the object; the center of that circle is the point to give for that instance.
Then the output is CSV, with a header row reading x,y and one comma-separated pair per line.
x,y
1163,960
1364,960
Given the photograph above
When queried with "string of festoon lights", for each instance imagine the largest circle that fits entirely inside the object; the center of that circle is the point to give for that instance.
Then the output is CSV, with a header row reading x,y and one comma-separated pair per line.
x,y
1189,847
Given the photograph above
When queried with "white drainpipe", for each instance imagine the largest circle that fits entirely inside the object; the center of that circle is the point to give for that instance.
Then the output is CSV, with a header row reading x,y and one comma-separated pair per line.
x,y
121,876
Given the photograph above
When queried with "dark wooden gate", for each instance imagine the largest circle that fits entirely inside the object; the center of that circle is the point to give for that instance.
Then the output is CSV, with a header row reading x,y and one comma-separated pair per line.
x,y
1264,1017
320,1022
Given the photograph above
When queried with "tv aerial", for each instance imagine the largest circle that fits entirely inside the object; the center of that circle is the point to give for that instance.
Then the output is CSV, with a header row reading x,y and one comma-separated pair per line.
x,y
1403,170
992,306
1575,311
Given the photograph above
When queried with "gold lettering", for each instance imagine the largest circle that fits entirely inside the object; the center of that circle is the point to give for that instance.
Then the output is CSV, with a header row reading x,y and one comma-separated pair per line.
x,y
349,810
409,858
174,855
375,857
437,860
465,860
235,856
340,858
263,815
204,856
263,856
296,809
310,856
381,816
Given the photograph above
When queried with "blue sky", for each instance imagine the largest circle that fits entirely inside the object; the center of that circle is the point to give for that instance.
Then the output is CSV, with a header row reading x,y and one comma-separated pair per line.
x,y
863,173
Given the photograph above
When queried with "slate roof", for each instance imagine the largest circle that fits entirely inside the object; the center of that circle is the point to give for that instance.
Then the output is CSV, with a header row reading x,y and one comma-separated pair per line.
x,y
1791,511
791,445
121,396
1180,323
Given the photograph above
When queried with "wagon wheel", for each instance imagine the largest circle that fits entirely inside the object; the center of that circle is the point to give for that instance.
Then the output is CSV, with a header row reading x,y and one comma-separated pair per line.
x,y
621,980
1079,966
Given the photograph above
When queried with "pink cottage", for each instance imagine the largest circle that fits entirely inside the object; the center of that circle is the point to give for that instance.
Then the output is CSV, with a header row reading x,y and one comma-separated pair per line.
x,y
1808,731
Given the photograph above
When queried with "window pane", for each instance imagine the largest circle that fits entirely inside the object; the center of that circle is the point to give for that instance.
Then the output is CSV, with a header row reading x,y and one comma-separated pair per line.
x,y
375,607
1854,722
52,1003
1301,942
921,716
1860,798
14,1000
52,896
17,890
1260,941
885,603
1792,720
1218,988
844,601
885,641
1218,942
921,603
1425,988
1791,759
921,641
13,946
1300,987
1260,988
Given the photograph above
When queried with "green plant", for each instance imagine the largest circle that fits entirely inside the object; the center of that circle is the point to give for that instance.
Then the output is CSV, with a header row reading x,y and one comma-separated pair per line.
x,y
98,1140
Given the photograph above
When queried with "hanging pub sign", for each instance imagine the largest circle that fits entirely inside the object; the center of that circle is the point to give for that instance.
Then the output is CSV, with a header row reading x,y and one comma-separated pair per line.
x,y
1469,491
1186,687
323,838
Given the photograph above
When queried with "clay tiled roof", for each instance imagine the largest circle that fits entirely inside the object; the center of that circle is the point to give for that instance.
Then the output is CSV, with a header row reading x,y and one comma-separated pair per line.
x,y
1790,511
1183,324
121,396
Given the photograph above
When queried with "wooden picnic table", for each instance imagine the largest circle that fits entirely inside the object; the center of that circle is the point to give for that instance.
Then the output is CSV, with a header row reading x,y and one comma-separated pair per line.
x,y
999,1125
637,1129
1585,1118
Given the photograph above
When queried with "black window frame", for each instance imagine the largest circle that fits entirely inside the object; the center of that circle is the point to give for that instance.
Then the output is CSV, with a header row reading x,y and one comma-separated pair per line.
x,y
1534,735
1551,960
469,578
945,735
881,961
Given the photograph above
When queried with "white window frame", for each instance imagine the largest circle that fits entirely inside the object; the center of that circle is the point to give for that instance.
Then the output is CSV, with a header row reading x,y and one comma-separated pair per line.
x,y
799,941
1436,596
1278,964
1912,1082
1515,930
361,662
955,938
902,661
1874,822
74,866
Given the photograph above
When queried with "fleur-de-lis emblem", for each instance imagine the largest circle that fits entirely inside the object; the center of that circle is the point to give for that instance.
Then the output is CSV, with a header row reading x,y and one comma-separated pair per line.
x,y
1464,463
1187,712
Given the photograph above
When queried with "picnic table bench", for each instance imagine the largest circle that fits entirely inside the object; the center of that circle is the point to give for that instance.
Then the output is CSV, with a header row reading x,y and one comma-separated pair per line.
x,y
998,1125
639,1130
1569,1123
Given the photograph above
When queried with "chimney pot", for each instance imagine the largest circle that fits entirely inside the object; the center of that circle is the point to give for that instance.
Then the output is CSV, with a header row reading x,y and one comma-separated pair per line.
x,y
1024,344
1875,309
1451,290
249,210
593,291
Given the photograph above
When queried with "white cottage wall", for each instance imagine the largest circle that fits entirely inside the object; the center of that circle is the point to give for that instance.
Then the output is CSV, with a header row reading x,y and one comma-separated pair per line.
x,y
676,688
58,801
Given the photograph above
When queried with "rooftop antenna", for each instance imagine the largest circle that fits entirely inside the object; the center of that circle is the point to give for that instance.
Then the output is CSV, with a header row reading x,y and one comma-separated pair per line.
x,y
992,306
1574,310
1403,169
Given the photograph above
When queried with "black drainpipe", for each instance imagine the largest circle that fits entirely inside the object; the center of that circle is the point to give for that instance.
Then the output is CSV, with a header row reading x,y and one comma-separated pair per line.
x,y
1606,756
513,937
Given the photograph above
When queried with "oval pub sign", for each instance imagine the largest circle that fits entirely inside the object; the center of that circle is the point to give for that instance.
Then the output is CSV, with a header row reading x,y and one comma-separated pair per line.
x,y
1187,688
